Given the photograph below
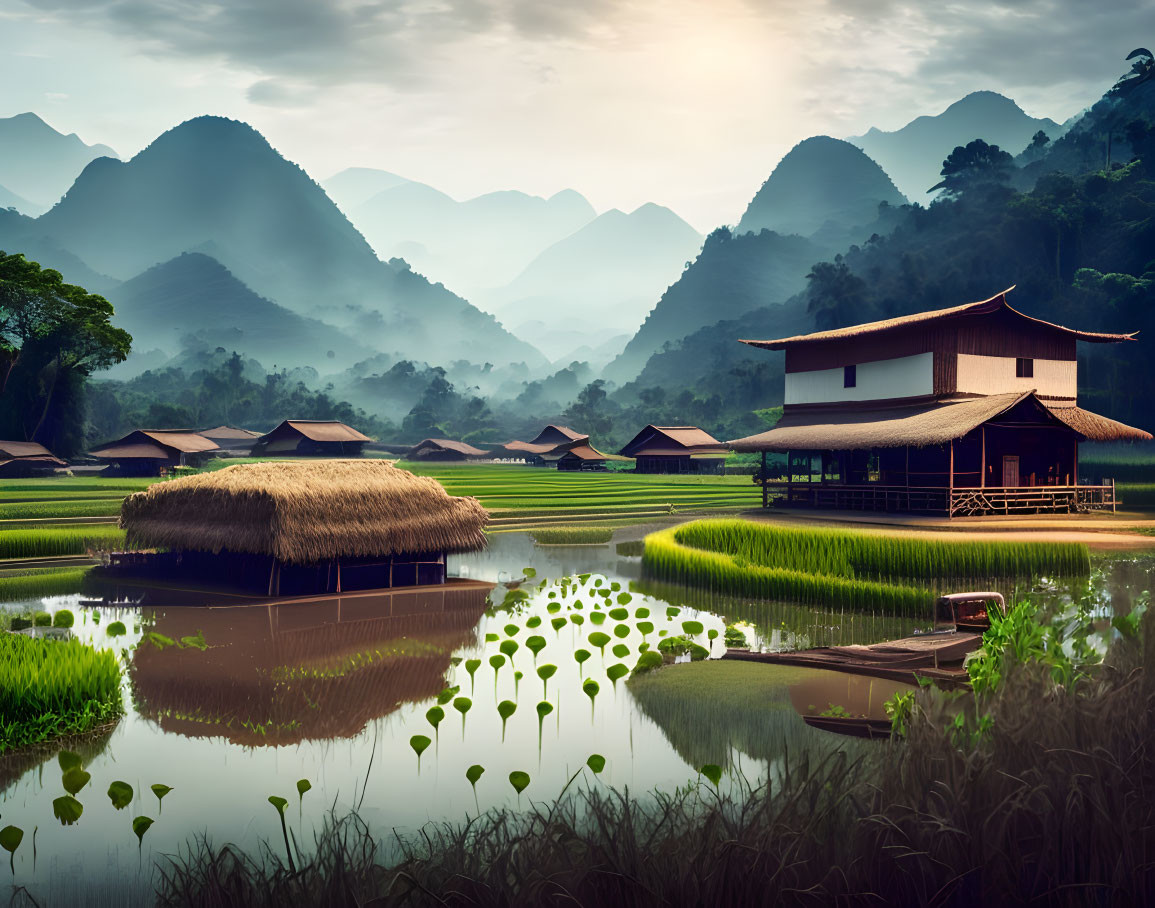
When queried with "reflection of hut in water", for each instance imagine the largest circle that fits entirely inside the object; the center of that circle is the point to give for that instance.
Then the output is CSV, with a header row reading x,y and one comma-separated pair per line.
x,y
290,672
299,528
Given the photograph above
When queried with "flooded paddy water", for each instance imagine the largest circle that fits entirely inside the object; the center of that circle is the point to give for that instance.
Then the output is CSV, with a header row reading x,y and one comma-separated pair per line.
x,y
342,692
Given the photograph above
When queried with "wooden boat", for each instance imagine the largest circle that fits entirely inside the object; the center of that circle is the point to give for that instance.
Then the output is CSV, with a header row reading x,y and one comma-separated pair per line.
x,y
852,726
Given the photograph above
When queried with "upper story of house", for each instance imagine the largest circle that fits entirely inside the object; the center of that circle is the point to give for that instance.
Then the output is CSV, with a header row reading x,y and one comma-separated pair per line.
x,y
976,349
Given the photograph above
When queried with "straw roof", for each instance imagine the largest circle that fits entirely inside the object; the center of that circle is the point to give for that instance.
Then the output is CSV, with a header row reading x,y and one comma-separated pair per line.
x,y
320,430
581,452
229,433
858,428
152,444
555,435
431,445
673,441
986,307
305,512
522,447
11,450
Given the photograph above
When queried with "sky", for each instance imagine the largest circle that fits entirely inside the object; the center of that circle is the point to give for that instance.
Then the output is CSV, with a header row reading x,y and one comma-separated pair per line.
x,y
687,103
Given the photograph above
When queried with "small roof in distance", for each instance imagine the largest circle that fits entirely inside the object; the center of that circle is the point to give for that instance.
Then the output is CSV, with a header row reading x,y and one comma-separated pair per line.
x,y
556,434
11,450
673,441
985,307
229,433
448,444
150,443
321,430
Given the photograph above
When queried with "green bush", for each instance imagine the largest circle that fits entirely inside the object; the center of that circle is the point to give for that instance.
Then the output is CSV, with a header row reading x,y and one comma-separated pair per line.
x,y
20,623
735,636
42,619
678,646
63,618
647,661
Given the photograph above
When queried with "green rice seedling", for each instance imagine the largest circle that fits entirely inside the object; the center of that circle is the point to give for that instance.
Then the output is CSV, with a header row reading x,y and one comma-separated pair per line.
x,y
497,661
47,510
620,650
545,672
40,584
472,775
462,705
520,782
505,709
581,656
50,688
572,535
140,825
44,542
619,614
279,805
535,644
120,794
67,810
598,639
160,791
557,624
10,839
471,666
435,715
508,648
419,743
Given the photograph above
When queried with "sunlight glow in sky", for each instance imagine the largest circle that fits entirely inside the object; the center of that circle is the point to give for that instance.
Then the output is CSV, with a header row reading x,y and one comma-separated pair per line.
x,y
688,103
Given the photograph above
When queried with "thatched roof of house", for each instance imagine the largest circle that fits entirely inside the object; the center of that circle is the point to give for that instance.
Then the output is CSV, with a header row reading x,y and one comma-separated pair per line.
x,y
584,452
986,307
318,430
673,441
305,512
445,445
555,435
14,450
853,428
229,433
155,444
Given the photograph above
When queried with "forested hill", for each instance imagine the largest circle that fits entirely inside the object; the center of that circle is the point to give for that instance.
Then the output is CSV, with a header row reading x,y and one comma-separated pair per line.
x,y
215,186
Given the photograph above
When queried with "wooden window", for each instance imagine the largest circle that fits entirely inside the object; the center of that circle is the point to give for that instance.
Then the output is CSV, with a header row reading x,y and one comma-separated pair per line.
x,y
849,376
1024,368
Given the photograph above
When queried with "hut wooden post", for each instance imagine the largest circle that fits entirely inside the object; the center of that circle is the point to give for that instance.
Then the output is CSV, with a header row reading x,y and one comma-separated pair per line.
x,y
338,575
983,456
765,494
950,486
907,477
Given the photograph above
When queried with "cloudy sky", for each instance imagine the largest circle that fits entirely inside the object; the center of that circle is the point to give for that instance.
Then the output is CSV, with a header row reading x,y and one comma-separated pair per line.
x,y
688,103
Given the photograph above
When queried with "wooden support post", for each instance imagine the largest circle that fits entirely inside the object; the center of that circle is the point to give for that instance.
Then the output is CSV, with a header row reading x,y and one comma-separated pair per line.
x,y
272,573
983,456
790,477
338,575
950,487
765,491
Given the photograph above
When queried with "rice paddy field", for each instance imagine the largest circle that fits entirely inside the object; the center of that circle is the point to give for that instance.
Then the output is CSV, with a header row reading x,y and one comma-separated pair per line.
x,y
416,711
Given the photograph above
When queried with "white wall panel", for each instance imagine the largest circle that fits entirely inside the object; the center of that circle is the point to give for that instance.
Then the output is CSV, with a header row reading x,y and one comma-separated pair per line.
x,y
996,375
906,376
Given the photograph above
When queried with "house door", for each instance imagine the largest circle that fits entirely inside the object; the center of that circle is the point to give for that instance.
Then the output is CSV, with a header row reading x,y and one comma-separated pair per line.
x,y
1010,470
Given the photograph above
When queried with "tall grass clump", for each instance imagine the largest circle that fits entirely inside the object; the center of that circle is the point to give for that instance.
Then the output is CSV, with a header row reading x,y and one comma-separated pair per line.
x,y
1136,496
43,510
855,554
39,584
50,688
666,558
572,536
54,541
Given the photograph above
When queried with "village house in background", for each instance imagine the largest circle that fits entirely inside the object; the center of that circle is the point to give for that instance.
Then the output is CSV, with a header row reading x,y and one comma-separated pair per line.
x,y
231,440
676,449
970,410
21,459
311,438
299,528
153,452
444,450
554,446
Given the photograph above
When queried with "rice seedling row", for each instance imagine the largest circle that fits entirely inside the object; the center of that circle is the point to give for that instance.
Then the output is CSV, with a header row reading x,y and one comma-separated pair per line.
x,y
37,584
100,507
50,688
48,541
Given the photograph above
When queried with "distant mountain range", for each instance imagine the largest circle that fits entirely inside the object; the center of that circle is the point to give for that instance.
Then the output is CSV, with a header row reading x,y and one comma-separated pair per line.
x,y
216,187
820,181
354,186
599,282
470,246
913,155
38,164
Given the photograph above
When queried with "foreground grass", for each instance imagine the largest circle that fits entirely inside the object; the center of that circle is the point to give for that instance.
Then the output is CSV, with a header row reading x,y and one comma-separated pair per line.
x,y
51,688
839,568
1043,792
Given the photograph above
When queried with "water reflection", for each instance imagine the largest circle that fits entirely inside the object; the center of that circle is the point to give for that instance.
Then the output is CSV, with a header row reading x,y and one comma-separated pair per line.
x,y
322,668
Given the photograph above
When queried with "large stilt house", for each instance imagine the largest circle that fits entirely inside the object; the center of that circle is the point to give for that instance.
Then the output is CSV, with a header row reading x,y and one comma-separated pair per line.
x,y
964,411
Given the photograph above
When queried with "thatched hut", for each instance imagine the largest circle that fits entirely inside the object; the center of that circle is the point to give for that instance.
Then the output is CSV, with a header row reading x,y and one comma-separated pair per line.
x,y
577,457
230,438
311,438
151,452
552,440
676,449
444,449
20,459
301,527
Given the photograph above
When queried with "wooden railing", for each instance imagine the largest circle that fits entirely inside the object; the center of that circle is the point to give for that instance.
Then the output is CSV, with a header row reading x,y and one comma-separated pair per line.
x,y
941,500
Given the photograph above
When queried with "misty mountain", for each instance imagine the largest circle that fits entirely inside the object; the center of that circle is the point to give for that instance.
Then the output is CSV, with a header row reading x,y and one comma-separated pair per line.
x,y
469,246
354,186
194,298
215,186
37,163
19,233
820,181
913,155
599,282
9,199
733,274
